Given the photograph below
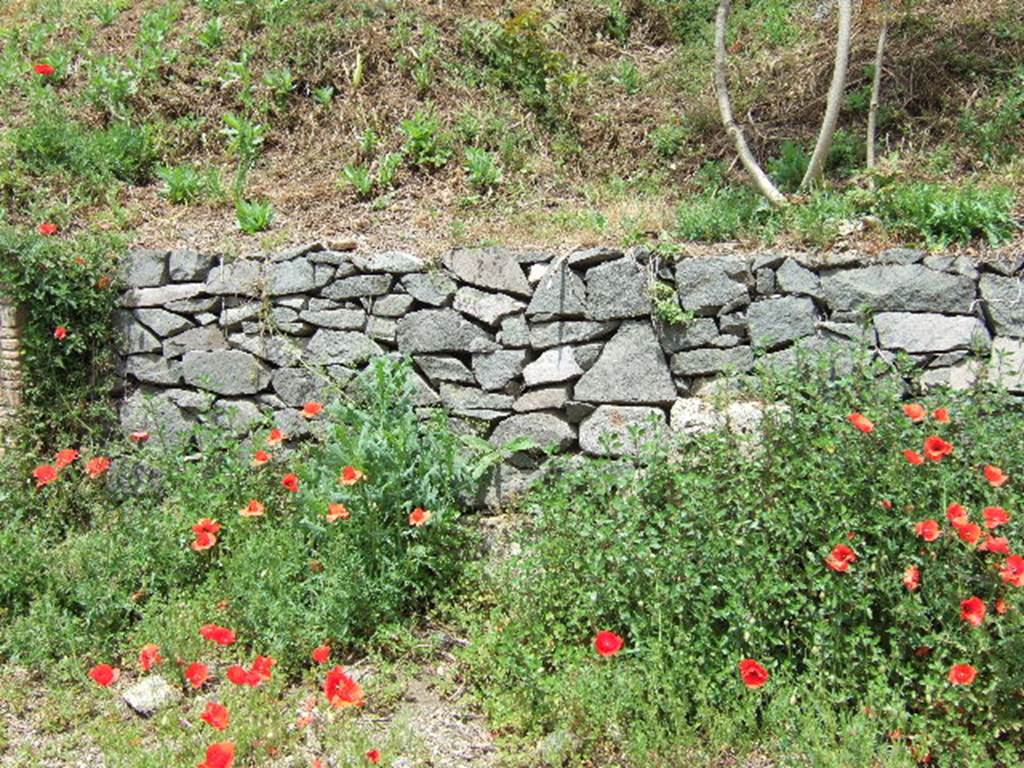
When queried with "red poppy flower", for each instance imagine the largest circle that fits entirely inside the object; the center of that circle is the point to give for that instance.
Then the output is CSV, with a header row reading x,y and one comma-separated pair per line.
x,y
999,545
928,530
44,474
216,715
312,409
104,674
321,653
972,610
753,673
219,755
913,457
936,449
1001,607
886,504
291,482
197,674
341,690
65,458
419,517
254,508
841,558
217,634
607,643
60,332
1013,571
97,467
915,412
149,656
373,756
995,476
263,667
962,674
336,512
861,422
941,415
260,458
276,437
48,228
139,437
995,516
957,514
204,541
350,476
239,675
912,578
970,532
104,281
44,69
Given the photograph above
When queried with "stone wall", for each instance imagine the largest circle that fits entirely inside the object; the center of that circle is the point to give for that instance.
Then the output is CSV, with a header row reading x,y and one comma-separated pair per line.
x,y
562,349
10,366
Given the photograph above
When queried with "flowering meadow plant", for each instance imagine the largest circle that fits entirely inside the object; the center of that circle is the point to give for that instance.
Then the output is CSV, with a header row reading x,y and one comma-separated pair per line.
x,y
812,569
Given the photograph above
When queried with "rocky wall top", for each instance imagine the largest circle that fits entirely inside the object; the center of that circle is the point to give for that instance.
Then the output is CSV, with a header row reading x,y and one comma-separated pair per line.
x,y
561,349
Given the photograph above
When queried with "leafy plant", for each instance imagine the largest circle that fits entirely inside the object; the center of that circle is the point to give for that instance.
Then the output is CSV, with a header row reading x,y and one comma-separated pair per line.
x,y
212,35
253,215
387,169
665,302
186,184
425,146
324,95
359,178
482,169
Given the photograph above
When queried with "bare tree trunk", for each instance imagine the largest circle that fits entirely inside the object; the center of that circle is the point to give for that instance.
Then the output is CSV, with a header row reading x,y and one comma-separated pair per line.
x,y
876,88
835,97
764,184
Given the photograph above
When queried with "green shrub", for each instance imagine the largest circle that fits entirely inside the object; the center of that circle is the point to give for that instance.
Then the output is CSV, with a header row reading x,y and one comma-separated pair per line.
x,y
253,215
716,551
941,214
426,146
725,213
186,184
482,170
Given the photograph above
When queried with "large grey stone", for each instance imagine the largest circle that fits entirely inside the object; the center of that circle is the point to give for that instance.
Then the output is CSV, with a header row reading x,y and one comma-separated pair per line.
x,y
544,429
700,362
547,399
274,349
207,338
232,317
162,296
900,256
706,285
144,268
960,376
699,332
187,266
445,369
561,332
617,289
1006,366
592,256
149,695
792,277
192,400
609,430
153,411
392,305
906,288
487,307
494,370
438,330
225,371
194,305
694,416
240,278
295,276
338,319
132,336
554,365
461,399
383,329
237,415
153,369
433,288
514,332
348,348
560,293
495,268
358,286
162,322
297,386
929,332
394,262
775,322
631,369
1003,299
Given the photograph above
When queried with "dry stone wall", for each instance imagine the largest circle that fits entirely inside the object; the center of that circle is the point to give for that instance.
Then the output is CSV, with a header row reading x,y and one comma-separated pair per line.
x,y
561,349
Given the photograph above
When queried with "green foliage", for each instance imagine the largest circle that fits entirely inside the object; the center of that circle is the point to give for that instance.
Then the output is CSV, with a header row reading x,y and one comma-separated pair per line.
x,y
627,76
995,124
253,215
426,145
482,169
669,139
713,550
724,214
665,303
789,167
212,35
359,178
186,184
245,140
111,86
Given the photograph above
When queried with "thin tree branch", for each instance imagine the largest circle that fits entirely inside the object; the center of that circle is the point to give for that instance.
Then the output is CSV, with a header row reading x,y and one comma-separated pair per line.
x,y
761,180
835,96
876,88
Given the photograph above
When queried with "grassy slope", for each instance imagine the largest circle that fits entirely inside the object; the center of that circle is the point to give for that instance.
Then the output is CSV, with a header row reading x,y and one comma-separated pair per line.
x,y
599,113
